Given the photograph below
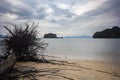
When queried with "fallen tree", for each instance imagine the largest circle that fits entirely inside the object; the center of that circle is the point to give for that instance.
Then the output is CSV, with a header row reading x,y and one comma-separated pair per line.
x,y
23,41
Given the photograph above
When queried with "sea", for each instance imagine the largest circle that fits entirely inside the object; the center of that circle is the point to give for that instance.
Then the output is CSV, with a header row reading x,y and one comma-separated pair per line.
x,y
85,49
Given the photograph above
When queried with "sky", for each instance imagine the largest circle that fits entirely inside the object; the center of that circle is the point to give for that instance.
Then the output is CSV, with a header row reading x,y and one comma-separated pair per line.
x,y
63,17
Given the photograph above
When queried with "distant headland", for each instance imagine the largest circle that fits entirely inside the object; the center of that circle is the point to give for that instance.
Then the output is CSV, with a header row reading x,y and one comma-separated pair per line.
x,y
114,32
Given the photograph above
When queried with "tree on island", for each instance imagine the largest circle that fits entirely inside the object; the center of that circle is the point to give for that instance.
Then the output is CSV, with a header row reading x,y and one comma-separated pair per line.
x,y
50,35
108,33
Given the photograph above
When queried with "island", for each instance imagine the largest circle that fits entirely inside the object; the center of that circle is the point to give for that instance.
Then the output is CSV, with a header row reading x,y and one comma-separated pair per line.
x,y
50,35
114,32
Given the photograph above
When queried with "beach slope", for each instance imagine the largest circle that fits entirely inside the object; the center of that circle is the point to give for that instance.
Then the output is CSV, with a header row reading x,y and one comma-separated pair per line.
x,y
74,70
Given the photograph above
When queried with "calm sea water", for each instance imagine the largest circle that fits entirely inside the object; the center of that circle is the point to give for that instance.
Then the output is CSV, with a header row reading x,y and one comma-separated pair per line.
x,y
85,49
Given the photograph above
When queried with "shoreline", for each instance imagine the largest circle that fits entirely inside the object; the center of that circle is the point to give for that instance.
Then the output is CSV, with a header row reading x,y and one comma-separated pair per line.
x,y
78,59
76,70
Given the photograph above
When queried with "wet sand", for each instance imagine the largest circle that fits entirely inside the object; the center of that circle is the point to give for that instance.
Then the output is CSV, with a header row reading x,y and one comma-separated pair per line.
x,y
75,70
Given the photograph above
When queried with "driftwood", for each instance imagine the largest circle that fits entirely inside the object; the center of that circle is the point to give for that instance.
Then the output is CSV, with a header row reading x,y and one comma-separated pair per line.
x,y
7,64
23,41
31,73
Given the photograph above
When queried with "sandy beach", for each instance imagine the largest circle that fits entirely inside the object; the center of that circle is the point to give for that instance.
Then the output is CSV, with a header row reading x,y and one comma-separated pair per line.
x,y
74,70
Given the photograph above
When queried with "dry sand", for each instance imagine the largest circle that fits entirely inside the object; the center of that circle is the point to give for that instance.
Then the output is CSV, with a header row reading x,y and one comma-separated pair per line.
x,y
77,70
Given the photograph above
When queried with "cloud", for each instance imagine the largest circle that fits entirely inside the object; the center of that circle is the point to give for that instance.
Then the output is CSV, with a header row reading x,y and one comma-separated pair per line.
x,y
9,16
64,17
63,6
15,3
86,7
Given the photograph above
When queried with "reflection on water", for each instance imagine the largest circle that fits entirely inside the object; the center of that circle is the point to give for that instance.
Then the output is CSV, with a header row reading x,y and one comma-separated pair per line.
x,y
88,49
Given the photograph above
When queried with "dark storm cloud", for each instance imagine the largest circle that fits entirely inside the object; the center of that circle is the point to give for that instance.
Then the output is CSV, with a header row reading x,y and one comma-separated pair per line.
x,y
115,6
24,11
5,7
